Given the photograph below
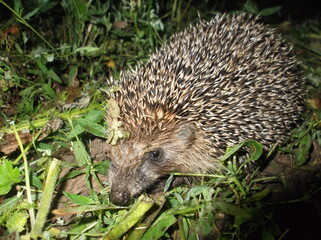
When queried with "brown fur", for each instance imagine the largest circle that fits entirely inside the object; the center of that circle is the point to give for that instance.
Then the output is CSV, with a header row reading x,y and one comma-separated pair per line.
x,y
185,147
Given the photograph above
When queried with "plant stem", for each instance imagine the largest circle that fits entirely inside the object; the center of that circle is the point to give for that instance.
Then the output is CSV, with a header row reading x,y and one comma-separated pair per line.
x,y
45,202
135,214
43,120
27,179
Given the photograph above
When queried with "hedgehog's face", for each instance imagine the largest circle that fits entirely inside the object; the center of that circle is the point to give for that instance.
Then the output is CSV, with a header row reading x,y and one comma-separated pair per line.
x,y
143,163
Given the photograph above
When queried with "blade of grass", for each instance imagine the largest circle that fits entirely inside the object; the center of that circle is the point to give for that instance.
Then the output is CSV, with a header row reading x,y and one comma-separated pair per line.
x,y
27,148
24,22
27,179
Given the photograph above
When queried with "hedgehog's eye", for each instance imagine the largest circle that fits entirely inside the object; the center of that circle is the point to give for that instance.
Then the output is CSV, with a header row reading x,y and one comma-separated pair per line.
x,y
155,155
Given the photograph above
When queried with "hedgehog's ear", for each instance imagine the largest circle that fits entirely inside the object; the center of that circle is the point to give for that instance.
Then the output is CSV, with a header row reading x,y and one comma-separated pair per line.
x,y
187,134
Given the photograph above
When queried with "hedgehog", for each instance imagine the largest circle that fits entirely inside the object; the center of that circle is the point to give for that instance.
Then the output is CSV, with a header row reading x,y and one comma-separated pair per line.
x,y
211,86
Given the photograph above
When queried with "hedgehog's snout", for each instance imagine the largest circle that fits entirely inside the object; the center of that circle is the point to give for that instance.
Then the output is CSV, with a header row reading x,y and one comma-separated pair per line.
x,y
133,170
120,196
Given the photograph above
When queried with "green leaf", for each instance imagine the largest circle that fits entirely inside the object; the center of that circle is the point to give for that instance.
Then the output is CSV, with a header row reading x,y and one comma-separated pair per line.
x,y
80,153
102,167
54,76
261,194
251,7
9,203
8,176
72,74
42,66
158,229
302,153
205,224
93,128
30,14
17,222
79,199
88,51
168,183
35,181
206,191
45,146
80,6
49,72
92,118
77,130
49,90
233,210
270,11
250,215
230,151
270,231
95,115
18,48
255,148
267,235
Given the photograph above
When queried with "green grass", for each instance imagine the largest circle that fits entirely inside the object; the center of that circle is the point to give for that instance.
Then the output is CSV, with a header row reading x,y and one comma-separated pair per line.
x,y
55,58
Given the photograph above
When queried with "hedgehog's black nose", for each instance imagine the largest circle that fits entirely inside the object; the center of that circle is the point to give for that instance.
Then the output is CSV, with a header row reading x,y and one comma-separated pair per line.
x,y
119,197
